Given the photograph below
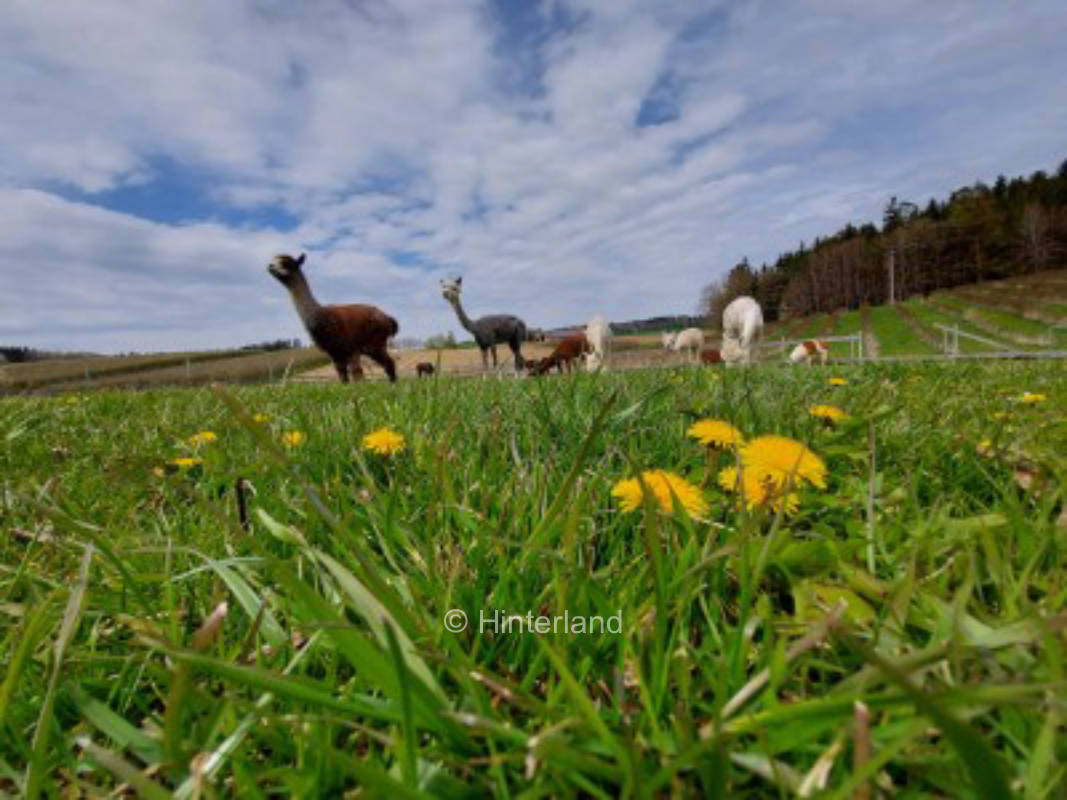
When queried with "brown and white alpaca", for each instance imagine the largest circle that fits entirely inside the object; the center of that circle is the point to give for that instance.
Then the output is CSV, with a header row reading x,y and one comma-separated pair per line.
x,y
424,368
344,333
565,353
810,350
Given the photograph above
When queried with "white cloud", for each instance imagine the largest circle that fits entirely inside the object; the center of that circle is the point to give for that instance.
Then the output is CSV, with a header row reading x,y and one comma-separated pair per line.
x,y
383,127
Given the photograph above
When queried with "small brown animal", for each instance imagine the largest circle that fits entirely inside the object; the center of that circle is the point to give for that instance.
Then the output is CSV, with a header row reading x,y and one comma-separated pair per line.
x,y
424,368
568,349
708,357
344,333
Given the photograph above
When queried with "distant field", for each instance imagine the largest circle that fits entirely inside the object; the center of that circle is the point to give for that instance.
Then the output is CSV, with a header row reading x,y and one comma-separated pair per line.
x,y
1018,314
155,370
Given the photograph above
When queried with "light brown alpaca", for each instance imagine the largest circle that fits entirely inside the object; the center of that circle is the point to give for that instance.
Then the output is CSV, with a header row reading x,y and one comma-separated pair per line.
x,y
570,348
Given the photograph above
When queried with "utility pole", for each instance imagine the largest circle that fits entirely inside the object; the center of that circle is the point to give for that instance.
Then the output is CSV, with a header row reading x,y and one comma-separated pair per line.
x,y
892,277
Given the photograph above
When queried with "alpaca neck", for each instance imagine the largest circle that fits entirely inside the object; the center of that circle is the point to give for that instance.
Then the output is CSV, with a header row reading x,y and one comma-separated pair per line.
x,y
306,304
464,320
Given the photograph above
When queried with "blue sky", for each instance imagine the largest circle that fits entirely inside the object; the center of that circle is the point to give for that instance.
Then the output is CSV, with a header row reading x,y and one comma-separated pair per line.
x,y
567,158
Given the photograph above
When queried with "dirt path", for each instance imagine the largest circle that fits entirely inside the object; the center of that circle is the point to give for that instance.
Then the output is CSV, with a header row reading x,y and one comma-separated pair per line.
x,y
462,360
871,347
918,328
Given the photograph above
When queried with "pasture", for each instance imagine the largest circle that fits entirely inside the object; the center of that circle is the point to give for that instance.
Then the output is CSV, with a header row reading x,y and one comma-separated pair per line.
x,y
895,628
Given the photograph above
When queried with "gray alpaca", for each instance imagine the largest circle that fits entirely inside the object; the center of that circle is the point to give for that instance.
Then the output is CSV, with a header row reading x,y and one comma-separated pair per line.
x,y
490,330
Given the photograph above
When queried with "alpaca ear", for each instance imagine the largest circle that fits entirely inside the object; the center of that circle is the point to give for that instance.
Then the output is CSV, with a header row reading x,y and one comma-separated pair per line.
x,y
300,261
459,281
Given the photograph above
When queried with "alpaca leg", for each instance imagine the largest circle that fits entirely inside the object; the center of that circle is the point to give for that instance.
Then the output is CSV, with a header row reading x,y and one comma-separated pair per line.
x,y
517,355
485,359
355,367
342,370
386,362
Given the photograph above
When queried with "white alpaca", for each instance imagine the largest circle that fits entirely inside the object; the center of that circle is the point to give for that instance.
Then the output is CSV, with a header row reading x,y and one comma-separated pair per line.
x,y
598,334
742,326
808,352
691,340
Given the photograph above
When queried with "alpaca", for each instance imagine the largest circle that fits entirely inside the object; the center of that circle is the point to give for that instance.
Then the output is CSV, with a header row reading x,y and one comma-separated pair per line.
x,y
691,340
568,349
809,351
709,357
598,334
344,333
489,331
742,326
424,368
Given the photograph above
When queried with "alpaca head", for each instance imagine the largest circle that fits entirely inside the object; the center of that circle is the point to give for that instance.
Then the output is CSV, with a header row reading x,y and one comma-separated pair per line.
x,y
668,340
732,351
286,268
450,289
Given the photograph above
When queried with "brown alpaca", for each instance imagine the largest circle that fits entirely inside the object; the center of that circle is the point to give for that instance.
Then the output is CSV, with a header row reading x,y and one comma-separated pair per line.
x,y
344,333
708,357
565,353
424,368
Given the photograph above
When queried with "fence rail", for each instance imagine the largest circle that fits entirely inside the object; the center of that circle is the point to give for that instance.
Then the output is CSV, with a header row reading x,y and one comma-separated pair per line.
x,y
855,343
950,340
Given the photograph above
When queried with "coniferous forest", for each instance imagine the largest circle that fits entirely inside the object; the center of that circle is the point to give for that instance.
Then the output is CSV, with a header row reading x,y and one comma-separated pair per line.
x,y
980,232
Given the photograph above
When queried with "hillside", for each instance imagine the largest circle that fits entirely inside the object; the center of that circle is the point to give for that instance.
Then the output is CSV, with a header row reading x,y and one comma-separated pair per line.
x,y
1023,313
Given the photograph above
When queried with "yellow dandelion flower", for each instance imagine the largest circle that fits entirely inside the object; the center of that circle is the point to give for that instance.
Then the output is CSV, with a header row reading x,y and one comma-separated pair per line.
x,y
293,438
1001,415
781,459
260,418
185,462
715,433
756,493
984,447
664,486
837,382
828,413
204,437
1029,398
384,442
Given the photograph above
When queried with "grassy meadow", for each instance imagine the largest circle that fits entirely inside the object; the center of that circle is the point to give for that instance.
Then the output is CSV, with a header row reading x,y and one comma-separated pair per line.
x,y
899,633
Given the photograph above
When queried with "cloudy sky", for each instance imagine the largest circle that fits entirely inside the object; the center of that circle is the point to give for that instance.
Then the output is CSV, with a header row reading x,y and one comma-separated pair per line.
x,y
567,157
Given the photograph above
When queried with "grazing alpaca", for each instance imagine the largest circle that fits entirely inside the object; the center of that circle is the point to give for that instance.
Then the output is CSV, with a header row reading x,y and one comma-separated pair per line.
x,y
809,351
424,368
709,357
344,333
489,331
598,334
568,349
691,340
742,326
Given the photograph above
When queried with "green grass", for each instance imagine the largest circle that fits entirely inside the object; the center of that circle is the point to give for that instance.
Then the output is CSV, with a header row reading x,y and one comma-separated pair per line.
x,y
999,321
332,670
846,324
896,337
928,315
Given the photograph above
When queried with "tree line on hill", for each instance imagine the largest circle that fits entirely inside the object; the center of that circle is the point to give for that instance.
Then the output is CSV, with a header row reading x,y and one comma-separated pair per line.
x,y
979,233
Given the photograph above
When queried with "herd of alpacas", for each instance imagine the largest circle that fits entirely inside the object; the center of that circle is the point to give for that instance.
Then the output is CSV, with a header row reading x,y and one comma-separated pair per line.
x,y
348,332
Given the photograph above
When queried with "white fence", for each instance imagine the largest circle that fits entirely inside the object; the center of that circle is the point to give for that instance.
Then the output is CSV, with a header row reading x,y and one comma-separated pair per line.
x,y
950,340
